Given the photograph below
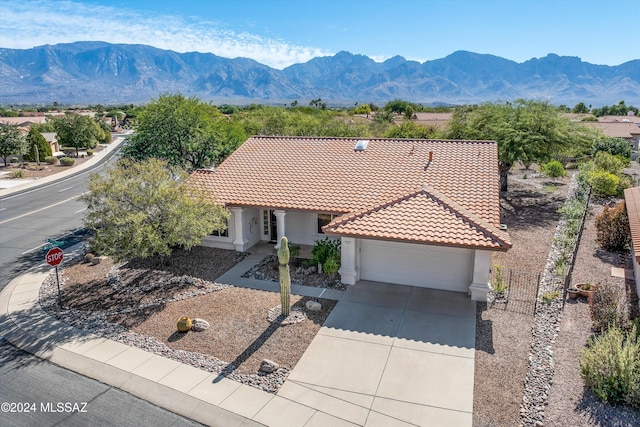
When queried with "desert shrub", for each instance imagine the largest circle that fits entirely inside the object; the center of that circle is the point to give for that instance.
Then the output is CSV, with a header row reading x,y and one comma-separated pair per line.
x,y
548,297
498,285
51,160
609,162
331,266
89,152
612,228
13,160
603,183
607,307
67,161
610,366
614,146
325,249
554,169
294,251
18,173
624,181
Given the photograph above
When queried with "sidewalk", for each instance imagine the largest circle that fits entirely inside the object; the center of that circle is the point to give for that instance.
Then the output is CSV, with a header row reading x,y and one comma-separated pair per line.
x,y
92,161
202,396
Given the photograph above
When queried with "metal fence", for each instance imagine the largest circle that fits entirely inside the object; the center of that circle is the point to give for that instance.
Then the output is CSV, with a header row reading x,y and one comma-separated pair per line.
x,y
521,290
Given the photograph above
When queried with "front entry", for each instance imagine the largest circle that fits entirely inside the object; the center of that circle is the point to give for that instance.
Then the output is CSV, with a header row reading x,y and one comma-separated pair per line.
x,y
273,226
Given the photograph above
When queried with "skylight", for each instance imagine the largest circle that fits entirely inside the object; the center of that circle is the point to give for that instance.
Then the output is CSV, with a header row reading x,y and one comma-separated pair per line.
x,y
361,145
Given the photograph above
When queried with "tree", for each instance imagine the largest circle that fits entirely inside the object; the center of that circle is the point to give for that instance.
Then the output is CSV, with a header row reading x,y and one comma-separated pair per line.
x,y
142,209
524,130
580,108
35,139
185,132
77,131
12,142
615,146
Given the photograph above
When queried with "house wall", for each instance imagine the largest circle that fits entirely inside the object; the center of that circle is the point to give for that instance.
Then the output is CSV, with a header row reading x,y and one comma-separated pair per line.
x,y
636,271
250,227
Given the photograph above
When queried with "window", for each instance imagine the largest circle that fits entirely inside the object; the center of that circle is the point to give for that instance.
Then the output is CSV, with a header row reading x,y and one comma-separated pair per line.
x,y
265,222
324,219
224,233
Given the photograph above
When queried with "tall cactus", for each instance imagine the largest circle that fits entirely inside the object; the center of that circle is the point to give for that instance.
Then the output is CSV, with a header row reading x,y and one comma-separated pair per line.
x,y
285,278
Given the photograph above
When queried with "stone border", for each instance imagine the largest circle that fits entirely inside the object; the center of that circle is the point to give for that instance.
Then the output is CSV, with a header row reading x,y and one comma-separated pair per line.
x,y
546,325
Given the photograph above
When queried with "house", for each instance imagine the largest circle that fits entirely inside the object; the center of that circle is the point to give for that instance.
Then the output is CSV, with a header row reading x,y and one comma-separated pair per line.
x,y
416,212
52,139
632,202
626,130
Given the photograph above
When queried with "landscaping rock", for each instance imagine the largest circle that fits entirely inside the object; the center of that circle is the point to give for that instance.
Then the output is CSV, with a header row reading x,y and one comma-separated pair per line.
x,y
199,325
96,260
268,366
313,306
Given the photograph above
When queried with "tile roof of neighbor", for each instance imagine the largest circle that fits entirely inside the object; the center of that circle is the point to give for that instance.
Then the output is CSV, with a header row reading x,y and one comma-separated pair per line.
x,y
326,175
616,129
632,201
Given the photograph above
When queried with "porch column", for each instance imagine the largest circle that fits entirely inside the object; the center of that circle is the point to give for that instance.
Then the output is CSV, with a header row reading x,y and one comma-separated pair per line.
x,y
238,233
349,271
279,226
479,288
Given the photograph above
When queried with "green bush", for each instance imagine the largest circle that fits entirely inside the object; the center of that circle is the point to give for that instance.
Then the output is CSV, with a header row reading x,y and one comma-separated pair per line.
x,y
603,183
51,160
89,152
607,307
548,297
554,169
325,249
13,160
612,228
609,162
499,286
615,146
331,266
610,366
67,161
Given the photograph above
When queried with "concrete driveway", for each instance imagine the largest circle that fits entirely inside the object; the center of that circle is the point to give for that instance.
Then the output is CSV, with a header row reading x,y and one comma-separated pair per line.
x,y
391,355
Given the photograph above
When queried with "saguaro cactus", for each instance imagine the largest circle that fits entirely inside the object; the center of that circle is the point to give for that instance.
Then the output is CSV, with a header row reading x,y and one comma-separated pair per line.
x,y
285,278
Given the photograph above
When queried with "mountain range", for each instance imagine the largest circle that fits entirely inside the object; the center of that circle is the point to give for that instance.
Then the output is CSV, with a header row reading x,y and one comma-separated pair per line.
x,y
105,73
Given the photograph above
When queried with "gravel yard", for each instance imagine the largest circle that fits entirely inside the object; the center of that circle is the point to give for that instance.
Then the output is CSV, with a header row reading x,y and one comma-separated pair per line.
x,y
139,303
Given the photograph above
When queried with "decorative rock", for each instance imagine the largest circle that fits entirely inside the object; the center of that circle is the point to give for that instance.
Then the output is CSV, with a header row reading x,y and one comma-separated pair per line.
x,y
313,306
96,260
268,366
183,324
199,325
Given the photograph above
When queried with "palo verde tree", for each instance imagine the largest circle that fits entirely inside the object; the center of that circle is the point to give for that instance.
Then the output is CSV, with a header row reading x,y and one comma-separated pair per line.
x,y
524,130
12,142
185,132
142,209
77,131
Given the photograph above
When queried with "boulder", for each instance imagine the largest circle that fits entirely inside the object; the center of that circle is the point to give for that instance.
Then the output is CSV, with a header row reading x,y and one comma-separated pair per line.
x,y
313,306
268,366
96,260
199,325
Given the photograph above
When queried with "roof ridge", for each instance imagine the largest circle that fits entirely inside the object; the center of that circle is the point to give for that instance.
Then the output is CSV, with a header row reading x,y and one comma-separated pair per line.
x,y
482,224
355,138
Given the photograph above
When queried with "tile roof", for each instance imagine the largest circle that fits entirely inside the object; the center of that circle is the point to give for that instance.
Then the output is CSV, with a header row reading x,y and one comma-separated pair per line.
x,y
616,129
632,201
326,175
422,216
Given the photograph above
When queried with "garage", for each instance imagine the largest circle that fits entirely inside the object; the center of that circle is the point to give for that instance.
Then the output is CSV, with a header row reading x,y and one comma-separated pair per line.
x,y
427,266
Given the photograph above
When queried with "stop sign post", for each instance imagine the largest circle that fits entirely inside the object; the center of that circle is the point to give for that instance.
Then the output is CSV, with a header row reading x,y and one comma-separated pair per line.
x,y
54,257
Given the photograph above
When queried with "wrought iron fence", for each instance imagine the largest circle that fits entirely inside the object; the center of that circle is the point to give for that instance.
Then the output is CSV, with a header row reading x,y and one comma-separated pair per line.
x,y
520,290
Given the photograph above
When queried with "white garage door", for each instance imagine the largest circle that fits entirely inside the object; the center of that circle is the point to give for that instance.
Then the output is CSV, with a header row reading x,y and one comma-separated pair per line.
x,y
437,267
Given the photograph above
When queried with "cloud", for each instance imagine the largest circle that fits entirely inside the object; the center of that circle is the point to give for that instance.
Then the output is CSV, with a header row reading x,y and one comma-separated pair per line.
x,y
30,23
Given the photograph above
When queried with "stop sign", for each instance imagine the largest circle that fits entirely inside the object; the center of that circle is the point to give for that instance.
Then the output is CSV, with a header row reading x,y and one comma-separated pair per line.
x,y
54,256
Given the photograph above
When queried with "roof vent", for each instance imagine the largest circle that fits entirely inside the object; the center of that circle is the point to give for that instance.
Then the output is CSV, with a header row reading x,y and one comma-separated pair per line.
x,y
361,145
503,227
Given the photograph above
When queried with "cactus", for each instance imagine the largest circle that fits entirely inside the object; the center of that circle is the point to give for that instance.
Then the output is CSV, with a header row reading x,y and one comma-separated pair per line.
x,y
285,278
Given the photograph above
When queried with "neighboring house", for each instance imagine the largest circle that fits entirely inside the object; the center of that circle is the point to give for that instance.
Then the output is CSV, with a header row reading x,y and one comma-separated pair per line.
x,y
417,212
52,139
632,201
628,131
25,121
629,118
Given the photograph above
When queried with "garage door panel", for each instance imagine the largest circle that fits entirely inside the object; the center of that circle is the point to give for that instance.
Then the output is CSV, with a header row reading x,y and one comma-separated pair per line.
x,y
437,267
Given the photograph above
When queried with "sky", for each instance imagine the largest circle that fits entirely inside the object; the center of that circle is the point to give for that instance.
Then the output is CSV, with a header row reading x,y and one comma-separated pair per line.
x,y
279,33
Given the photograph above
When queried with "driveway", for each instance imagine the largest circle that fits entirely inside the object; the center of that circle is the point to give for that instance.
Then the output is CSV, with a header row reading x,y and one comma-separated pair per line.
x,y
391,355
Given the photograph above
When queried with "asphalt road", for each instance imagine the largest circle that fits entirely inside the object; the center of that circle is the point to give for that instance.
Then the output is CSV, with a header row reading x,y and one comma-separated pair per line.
x,y
27,219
